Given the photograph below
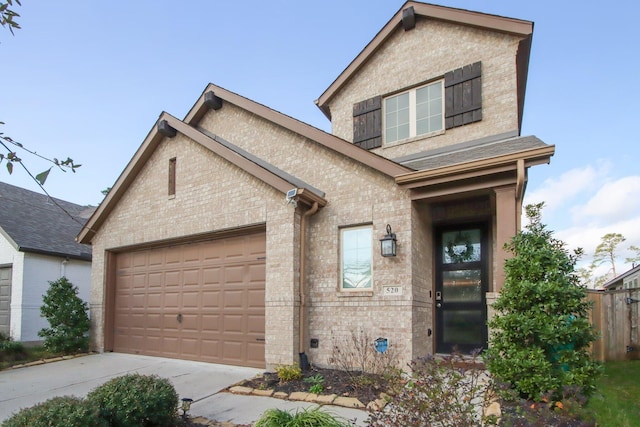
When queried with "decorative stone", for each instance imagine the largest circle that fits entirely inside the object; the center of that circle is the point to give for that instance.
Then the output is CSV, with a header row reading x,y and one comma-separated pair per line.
x,y
311,397
298,395
238,389
493,410
280,395
377,405
326,399
262,392
348,402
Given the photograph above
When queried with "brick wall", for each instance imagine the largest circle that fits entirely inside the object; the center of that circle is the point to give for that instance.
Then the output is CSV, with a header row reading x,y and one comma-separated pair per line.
x,y
427,52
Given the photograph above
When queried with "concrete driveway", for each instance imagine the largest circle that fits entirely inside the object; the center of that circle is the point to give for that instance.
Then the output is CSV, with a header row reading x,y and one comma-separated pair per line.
x,y
202,382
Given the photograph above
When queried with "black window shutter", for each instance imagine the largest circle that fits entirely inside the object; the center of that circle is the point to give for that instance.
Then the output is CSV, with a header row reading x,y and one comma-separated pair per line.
x,y
367,123
463,95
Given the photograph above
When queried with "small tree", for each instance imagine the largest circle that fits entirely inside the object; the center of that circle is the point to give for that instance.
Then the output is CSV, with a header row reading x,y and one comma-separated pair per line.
x,y
67,316
606,251
541,331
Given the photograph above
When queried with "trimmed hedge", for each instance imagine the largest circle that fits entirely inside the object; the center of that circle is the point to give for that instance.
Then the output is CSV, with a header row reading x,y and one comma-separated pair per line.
x,y
137,400
65,411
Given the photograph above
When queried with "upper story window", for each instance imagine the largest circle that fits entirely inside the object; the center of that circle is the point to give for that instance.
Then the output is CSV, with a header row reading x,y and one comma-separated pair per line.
x,y
454,101
413,113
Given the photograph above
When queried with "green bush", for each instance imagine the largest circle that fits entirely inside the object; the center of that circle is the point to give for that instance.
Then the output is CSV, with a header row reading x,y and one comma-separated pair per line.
x,y
11,350
65,411
541,332
304,418
137,400
288,372
67,316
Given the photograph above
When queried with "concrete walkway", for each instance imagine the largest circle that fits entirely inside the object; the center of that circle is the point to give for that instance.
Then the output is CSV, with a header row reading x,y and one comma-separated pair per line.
x,y
202,382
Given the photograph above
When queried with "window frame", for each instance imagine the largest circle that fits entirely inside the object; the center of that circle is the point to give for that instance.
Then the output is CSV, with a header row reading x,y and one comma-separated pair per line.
x,y
341,278
413,114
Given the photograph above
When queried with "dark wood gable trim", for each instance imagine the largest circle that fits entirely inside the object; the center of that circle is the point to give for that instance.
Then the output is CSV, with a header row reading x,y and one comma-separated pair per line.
x,y
367,123
463,95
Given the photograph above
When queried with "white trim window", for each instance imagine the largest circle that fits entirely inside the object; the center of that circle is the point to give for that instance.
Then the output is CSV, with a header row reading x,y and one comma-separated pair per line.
x,y
417,112
356,258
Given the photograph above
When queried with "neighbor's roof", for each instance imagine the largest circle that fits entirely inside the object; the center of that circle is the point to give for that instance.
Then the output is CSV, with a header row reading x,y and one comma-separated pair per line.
x,y
620,278
32,222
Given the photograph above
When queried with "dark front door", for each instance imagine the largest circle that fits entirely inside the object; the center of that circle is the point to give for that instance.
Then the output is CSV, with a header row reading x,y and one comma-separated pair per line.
x,y
461,285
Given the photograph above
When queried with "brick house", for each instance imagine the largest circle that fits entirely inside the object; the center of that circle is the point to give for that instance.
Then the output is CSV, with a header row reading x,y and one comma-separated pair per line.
x,y
240,235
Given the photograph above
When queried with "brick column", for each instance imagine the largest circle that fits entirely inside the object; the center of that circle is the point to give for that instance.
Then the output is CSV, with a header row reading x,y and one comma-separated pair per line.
x,y
507,221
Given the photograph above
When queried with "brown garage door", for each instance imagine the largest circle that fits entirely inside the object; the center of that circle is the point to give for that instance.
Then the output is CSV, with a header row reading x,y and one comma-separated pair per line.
x,y
201,301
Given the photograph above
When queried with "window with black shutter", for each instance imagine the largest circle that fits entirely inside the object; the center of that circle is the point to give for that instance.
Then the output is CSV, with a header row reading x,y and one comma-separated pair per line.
x,y
367,123
463,95
462,105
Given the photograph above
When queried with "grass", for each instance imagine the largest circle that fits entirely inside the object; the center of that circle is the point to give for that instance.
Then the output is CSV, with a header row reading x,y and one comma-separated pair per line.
x,y
617,399
26,355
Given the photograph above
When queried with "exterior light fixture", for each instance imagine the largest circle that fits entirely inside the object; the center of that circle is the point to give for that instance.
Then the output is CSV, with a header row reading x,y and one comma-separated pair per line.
x,y
186,405
388,243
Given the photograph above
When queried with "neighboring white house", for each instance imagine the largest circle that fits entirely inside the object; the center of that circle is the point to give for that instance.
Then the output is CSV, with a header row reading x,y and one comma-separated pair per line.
x,y
37,246
627,280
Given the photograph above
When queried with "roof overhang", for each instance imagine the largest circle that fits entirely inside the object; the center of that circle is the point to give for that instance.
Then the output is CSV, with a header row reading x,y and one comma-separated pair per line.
x,y
460,16
475,176
379,163
168,124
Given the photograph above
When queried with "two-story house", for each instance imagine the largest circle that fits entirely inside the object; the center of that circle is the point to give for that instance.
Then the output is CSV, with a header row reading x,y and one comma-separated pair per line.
x,y
240,235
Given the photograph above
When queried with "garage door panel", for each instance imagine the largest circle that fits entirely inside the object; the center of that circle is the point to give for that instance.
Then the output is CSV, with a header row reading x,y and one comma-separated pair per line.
x,y
191,278
215,289
172,278
155,280
233,299
210,299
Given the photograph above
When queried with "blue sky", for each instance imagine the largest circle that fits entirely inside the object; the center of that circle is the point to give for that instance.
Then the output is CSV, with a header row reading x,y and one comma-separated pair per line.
x,y
88,79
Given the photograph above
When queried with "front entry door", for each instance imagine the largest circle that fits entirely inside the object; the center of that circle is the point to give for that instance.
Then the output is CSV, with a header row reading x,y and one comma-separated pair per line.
x,y
461,285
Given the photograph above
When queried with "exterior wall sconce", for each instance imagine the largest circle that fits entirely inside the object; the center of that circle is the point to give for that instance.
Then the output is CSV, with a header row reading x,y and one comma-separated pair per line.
x,y
388,243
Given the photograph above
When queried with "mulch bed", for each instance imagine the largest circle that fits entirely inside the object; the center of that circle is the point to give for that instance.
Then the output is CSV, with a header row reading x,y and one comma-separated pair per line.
x,y
364,388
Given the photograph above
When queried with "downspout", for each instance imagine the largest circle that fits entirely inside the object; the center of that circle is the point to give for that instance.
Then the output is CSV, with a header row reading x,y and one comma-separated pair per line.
x,y
521,181
304,361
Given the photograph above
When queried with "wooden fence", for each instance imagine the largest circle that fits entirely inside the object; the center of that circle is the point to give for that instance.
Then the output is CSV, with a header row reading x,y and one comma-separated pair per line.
x,y
615,316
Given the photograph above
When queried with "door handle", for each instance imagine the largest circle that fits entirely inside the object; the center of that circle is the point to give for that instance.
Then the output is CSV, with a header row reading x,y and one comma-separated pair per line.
x,y
260,339
179,317
439,305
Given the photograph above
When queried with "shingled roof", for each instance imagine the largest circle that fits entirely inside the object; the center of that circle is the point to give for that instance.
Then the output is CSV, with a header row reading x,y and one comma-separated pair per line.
x,y
32,222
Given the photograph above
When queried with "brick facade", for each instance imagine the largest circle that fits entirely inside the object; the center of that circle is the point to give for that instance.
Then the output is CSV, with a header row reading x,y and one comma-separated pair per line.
x,y
214,195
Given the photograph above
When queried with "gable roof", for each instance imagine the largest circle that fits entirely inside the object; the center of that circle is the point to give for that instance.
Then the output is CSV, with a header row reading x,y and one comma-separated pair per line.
x,y
33,223
332,142
460,16
254,166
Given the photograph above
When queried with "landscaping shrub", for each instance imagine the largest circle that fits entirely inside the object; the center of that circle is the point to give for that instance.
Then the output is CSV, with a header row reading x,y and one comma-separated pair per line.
x,y
11,350
67,316
304,418
288,372
541,332
447,391
357,356
65,411
137,400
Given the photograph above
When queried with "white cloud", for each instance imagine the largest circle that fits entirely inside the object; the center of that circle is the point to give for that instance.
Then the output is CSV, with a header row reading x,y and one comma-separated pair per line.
x,y
558,191
614,201
584,204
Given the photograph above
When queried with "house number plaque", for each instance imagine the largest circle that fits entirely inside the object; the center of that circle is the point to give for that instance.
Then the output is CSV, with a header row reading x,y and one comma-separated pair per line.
x,y
391,290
